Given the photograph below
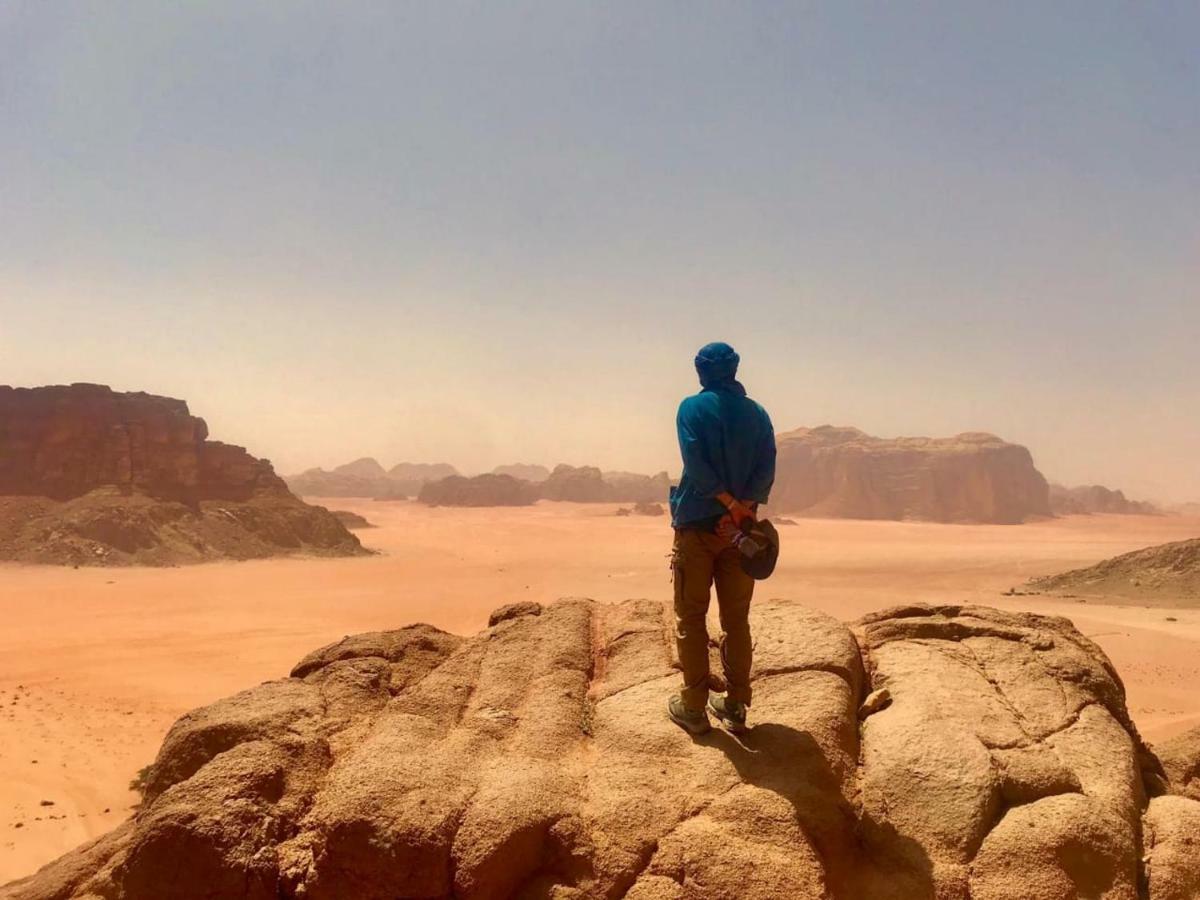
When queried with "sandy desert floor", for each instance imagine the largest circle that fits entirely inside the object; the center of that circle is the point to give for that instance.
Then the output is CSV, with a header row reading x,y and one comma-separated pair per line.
x,y
95,664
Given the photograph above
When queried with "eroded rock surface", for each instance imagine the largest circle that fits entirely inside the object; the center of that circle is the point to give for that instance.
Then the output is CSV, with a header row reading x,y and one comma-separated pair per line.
x,y
1180,758
844,473
534,760
1006,762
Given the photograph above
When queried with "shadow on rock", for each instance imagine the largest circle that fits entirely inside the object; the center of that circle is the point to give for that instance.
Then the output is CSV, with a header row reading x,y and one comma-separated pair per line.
x,y
789,762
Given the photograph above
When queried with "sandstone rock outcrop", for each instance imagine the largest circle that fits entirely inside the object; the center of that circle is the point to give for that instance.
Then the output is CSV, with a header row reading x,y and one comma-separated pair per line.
x,y
420,473
65,440
367,478
1095,498
351,520
408,478
361,478
581,484
524,471
534,760
91,475
363,467
511,485
587,484
630,487
1180,758
481,490
1171,833
1165,573
844,473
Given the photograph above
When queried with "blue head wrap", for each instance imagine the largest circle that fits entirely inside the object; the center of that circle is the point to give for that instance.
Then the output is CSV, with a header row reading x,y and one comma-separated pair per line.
x,y
716,363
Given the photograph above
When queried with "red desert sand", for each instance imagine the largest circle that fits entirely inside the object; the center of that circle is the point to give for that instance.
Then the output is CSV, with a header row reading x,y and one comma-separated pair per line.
x,y
96,664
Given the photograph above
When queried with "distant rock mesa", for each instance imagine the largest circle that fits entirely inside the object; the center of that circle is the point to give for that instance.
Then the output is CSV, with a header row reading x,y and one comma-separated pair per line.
x,y
1095,498
89,475
524,471
577,484
367,478
481,490
994,760
839,472
631,487
581,484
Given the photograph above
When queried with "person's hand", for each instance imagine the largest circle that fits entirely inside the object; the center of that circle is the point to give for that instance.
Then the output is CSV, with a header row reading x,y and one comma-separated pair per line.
x,y
740,512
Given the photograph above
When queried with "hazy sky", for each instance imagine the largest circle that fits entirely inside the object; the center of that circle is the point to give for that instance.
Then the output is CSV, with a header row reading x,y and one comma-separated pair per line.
x,y
489,232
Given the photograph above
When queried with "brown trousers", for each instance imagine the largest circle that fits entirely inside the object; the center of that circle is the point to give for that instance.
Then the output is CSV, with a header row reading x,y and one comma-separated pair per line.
x,y
700,559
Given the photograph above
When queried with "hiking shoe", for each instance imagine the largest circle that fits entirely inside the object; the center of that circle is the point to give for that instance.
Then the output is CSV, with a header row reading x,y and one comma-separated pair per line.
x,y
693,721
731,712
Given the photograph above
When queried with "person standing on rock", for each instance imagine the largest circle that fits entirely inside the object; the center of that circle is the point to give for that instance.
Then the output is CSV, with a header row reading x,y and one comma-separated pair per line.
x,y
728,447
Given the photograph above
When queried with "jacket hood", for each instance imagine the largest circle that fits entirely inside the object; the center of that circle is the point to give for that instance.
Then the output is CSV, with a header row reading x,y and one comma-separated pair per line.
x,y
717,364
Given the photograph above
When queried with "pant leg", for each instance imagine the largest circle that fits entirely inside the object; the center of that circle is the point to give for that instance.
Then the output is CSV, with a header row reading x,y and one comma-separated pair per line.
x,y
734,591
692,572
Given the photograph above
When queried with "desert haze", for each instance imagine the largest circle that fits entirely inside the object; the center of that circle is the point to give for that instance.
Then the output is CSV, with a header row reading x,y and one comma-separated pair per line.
x,y
502,641
403,407
97,667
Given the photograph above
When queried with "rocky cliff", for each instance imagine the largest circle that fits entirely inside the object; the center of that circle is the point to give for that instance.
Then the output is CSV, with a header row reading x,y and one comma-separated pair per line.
x,y
91,475
960,753
844,473
63,441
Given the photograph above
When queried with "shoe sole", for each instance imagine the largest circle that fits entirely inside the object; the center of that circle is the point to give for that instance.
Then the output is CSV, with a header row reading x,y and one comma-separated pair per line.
x,y
694,728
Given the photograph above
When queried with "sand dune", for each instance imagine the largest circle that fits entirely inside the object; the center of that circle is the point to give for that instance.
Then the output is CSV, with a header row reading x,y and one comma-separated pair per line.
x,y
95,664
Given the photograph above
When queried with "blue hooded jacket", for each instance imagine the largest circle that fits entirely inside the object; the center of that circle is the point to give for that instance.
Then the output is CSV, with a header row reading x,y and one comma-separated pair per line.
x,y
726,440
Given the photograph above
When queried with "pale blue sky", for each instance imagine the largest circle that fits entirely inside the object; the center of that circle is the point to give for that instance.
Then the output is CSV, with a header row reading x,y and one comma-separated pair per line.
x,y
490,232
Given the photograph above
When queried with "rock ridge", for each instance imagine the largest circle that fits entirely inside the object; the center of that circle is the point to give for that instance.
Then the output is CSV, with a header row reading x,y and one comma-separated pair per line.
x,y
533,760
1166,573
